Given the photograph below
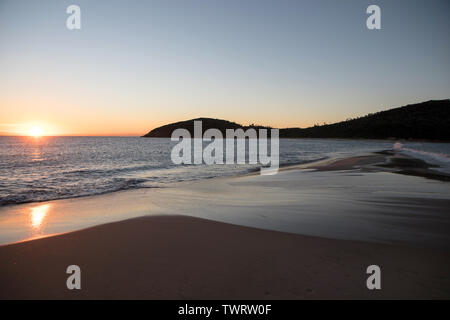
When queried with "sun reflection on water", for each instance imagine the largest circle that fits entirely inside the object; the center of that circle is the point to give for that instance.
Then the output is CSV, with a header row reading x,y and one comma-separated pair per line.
x,y
38,214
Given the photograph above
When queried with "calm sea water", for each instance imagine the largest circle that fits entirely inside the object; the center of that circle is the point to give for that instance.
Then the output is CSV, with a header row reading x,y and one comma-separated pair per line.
x,y
63,167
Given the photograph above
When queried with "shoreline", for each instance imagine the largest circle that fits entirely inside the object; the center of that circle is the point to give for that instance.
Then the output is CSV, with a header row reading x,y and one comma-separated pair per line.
x,y
392,161
308,232
286,193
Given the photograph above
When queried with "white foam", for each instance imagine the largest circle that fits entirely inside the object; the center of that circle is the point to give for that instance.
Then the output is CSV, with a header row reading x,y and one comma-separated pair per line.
x,y
440,159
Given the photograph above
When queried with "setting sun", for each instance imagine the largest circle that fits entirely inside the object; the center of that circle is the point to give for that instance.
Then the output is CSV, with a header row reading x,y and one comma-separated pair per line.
x,y
36,132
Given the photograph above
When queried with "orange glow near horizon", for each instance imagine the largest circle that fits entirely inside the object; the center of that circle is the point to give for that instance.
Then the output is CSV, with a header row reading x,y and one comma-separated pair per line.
x,y
34,125
59,117
39,131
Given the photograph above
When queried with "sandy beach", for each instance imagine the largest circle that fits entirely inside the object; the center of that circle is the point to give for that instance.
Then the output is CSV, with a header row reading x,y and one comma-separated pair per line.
x,y
225,150
189,258
308,232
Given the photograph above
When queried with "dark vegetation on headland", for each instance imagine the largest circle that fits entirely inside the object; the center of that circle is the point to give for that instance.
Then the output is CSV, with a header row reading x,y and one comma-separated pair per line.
x,y
207,123
422,121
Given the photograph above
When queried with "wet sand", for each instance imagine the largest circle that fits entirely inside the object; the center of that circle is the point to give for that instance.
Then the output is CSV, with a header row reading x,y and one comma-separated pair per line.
x,y
324,224
188,258
388,160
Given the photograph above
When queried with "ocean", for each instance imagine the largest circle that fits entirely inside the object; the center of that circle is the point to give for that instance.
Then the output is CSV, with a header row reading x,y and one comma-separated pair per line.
x,y
49,168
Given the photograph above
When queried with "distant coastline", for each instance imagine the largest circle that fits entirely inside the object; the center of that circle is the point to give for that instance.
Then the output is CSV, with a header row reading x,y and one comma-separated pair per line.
x,y
426,121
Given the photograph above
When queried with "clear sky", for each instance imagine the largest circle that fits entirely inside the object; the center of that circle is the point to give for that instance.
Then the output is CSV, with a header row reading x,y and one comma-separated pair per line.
x,y
136,65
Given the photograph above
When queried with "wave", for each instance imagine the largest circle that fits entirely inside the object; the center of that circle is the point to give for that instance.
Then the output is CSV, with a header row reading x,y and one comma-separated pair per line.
x,y
442,160
437,156
36,195
97,183
111,171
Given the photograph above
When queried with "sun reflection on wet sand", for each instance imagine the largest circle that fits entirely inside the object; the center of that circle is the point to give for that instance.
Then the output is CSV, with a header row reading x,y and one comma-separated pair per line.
x,y
38,214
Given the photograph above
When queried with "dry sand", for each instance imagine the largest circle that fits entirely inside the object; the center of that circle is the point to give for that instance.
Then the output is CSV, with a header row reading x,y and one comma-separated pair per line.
x,y
189,258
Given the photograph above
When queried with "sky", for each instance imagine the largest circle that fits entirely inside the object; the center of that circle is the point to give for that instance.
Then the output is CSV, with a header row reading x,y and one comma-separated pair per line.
x,y
136,65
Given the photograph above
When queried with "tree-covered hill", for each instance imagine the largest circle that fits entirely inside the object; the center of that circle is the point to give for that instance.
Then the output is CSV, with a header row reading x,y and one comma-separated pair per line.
x,y
427,120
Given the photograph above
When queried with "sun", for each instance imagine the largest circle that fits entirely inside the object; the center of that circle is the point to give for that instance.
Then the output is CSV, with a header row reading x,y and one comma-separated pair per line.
x,y
36,132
